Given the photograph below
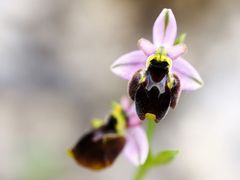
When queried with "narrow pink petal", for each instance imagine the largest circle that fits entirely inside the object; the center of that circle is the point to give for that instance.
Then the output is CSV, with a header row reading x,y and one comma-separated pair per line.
x,y
176,51
136,149
130,110
189,77
146,46
165,29
133,117
128,64
125,103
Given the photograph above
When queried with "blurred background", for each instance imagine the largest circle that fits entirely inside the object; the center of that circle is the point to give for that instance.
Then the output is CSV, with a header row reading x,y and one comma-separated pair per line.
x,y
54,78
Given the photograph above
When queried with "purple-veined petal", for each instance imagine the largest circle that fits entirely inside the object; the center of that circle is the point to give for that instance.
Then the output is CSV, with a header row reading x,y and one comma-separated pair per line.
x,y
189,77
136,148
128,64
146,46
165,29
176,51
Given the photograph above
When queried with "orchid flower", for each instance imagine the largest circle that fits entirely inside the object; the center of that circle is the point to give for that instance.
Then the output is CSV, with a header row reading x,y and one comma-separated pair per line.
x,y
157,71
122,132
164,35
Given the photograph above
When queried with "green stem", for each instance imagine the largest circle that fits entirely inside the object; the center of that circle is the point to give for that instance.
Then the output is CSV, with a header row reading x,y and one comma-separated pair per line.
x,y
150,131
143,169
141,172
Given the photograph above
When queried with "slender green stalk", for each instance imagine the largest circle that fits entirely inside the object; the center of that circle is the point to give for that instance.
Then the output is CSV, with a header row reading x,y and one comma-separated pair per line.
x,y
143,169
141,172
150,131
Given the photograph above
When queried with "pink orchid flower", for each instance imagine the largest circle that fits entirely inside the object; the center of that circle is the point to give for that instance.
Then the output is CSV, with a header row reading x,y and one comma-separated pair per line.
x,y
100,147
164,36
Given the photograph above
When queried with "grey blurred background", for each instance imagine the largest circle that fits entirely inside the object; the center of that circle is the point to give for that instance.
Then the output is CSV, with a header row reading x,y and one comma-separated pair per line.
x,y
54,78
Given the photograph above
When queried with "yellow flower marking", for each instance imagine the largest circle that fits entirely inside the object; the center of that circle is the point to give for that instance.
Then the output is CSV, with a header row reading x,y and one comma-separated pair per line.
x,y
170,81
70,153
121,121
97,123
150,116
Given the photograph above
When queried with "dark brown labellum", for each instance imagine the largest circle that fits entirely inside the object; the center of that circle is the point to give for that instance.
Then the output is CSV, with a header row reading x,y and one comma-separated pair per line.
x,y
151,93
98,154
152,101
100,147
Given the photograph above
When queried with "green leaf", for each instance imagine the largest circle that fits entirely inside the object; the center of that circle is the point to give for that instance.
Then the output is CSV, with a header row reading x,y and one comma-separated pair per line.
x,y
180,39
164,157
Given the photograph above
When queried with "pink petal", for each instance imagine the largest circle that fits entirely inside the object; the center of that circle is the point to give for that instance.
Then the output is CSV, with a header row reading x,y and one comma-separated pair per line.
x,y
136,149
130,110
128,64
146,46
125,103
189,77
133,117
165,29
176,51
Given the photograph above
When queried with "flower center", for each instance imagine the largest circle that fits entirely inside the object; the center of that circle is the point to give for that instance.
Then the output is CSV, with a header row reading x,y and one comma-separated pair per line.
x,y
159,65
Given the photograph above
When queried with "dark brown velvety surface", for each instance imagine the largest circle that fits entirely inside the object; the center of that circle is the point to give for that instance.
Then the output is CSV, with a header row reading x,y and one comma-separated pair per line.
x,y
98,154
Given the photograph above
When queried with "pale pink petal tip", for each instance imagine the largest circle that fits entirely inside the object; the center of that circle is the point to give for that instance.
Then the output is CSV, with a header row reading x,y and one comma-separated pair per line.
x,y
189,77
176,51
128,64
165,29
125,103
146,46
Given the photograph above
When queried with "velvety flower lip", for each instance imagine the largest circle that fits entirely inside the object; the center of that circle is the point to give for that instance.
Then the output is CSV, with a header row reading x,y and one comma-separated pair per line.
x,y
164,36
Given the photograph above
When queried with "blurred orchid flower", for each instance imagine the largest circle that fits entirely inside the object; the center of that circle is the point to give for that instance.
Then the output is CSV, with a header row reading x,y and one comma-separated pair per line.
x,y
122,132
157,72
164,36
